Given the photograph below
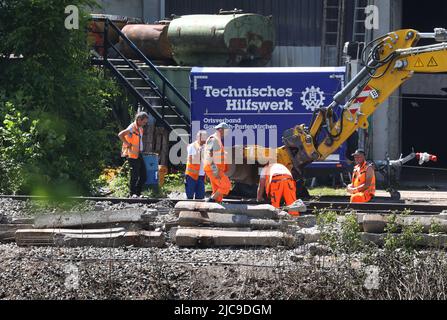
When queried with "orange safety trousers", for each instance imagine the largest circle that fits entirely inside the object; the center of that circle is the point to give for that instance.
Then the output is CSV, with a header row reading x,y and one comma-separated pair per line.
x,y
358,179
283,186
221,185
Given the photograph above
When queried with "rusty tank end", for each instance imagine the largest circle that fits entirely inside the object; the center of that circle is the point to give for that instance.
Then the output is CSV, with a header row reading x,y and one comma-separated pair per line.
x,y
222,40
151,39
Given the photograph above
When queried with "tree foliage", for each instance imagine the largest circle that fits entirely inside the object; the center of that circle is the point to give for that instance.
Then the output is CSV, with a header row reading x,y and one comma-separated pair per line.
x,y
55,125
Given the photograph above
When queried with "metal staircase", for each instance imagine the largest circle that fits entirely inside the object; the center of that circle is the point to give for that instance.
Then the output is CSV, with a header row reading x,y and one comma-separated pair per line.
x,y
332,32
151,91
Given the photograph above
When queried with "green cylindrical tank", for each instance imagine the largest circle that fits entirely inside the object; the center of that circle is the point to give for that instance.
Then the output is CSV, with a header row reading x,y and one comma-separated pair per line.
x,y
222,40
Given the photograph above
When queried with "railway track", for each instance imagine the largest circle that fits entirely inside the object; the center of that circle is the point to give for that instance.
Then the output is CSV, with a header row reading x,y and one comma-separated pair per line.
x,y
335,203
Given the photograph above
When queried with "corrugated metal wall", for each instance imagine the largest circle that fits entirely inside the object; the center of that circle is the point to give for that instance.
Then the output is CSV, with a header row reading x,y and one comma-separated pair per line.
x,y
297,22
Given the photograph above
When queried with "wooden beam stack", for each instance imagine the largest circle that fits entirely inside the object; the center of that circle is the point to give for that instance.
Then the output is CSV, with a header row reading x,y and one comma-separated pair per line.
x,y
374,227
131,227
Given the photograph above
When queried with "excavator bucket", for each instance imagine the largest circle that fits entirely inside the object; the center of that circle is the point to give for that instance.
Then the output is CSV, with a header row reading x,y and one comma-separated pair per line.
x,y
300,146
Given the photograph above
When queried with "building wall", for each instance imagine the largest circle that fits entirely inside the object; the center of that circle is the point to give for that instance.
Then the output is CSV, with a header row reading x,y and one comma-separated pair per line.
x,y
298,23
386,121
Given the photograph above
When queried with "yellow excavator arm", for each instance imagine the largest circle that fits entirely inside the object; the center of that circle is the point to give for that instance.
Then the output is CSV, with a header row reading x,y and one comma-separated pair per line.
x,y
391,61
388,61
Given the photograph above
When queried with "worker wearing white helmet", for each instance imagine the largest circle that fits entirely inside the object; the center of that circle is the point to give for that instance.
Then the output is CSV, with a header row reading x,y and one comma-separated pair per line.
x,y
195,173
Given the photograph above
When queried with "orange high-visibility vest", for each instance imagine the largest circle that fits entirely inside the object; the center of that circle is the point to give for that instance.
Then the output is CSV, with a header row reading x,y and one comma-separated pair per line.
x,y
359,178
218,156
133,138
193,168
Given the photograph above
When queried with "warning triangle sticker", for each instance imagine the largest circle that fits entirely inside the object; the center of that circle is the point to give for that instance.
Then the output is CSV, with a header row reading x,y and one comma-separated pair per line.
x,y
432,63
419,63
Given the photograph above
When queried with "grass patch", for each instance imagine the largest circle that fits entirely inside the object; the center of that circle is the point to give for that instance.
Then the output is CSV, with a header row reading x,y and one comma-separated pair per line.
x,y
326,191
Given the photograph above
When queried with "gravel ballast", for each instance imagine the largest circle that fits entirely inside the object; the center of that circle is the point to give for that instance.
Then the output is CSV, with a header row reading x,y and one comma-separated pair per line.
x,y
132,273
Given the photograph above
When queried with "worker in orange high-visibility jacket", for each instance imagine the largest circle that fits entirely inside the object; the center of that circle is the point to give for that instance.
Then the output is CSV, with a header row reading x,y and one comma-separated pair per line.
x,y
276,181
195,171
363,186
132,147
216,164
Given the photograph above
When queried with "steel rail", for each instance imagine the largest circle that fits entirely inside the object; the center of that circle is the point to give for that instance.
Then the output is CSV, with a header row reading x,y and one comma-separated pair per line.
x,y
323,203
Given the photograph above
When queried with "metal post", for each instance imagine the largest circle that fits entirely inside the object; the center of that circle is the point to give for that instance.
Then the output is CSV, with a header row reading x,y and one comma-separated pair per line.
x,y
163,100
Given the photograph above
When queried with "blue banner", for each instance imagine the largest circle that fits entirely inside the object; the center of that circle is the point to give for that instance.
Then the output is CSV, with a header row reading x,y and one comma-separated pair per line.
x,y
264,100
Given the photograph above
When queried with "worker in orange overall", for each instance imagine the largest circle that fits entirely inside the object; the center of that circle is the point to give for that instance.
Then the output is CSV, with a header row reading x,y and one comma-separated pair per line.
x,y
215,164
277,182
195,173
363,186
132,138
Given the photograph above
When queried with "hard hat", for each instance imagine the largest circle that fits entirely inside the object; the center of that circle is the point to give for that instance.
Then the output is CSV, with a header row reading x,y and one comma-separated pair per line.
x,y
222,125
358,152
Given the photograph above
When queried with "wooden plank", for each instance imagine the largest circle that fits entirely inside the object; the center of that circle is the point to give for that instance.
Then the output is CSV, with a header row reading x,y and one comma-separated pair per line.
x,y
22,221
149,239
307,221
14,227
88,219
376,223
215,238
130,238
70,231
168,225
262,211
164,153
115,237
158,139
7,231
223,220
148,137
25,237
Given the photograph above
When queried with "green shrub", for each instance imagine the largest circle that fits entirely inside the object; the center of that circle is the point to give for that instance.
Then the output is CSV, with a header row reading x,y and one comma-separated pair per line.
x,y
406,237
56,125
326,222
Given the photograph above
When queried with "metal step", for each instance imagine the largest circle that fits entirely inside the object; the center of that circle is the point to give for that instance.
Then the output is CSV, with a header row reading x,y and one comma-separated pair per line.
x,y
167,111
179,126
122,62
173,119
135,76
138,82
